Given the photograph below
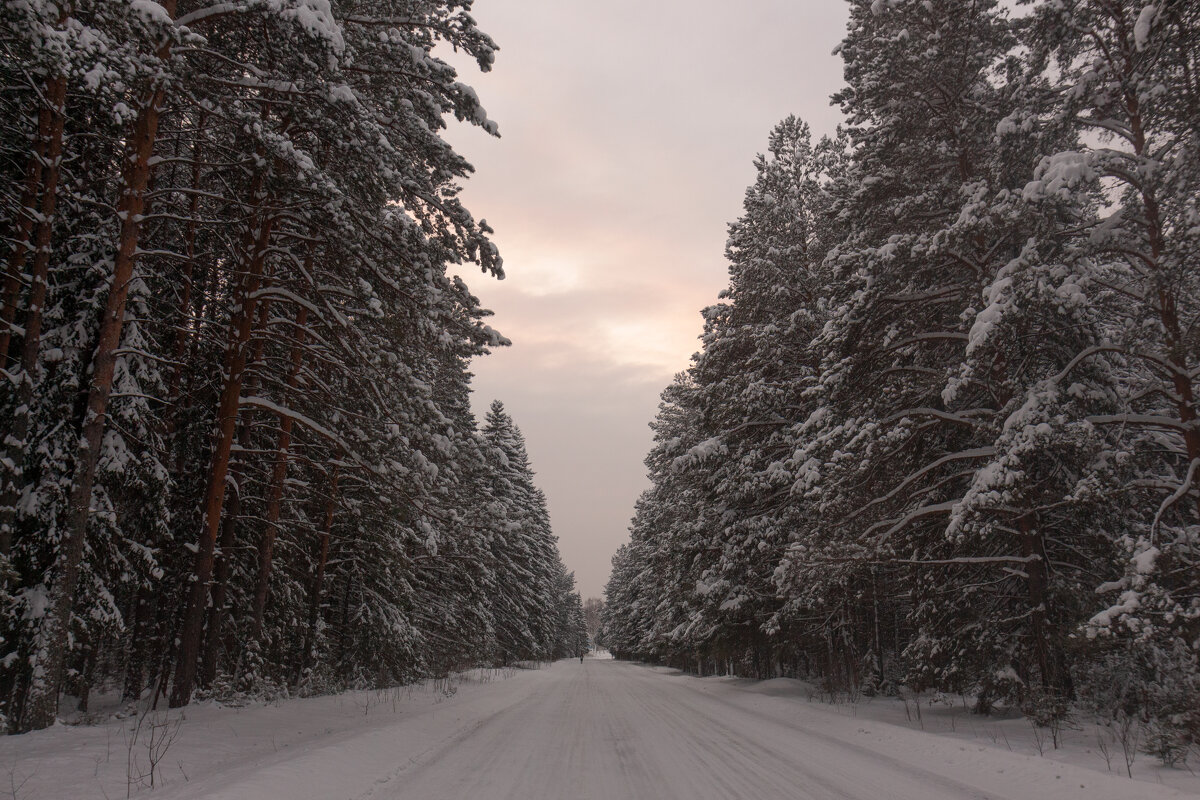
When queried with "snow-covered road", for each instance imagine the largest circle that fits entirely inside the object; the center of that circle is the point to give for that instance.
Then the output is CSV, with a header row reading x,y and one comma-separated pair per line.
x,y
601,729
608,729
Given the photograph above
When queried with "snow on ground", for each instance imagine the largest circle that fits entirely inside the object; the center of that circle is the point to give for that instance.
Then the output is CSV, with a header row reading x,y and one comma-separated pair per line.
x,y
598,729
1083,741
349,740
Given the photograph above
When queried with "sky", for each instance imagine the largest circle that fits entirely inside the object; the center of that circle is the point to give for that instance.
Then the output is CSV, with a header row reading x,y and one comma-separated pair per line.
x,y
628,130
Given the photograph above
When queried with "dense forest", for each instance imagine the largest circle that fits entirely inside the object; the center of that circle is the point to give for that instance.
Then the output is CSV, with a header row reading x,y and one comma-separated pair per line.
x,y
238,453
942,434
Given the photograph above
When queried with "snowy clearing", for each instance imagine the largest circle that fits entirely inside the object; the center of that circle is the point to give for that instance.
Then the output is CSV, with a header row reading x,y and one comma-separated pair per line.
x,y
602,729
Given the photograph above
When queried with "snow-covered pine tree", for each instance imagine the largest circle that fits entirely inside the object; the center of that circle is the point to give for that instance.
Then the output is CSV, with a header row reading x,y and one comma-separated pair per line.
x,y
570,630
1001,420
1124,75
656,600
102,48
525,561
751,376
283,260
878,456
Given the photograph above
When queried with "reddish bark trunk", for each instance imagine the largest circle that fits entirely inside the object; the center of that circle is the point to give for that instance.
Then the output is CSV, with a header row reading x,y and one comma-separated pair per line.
x,y
223,560
314,609
51,133
241,326
22,229
42,702
1033,548
223,568
1168,314
278,478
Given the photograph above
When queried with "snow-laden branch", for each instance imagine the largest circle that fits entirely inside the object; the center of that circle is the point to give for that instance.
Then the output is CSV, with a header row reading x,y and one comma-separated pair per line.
x,y
1083,356
883,562
1087,353
1151,420
283,411
926,296
912,516
210,12
934,336
959,418
1178,495
286,294
962,455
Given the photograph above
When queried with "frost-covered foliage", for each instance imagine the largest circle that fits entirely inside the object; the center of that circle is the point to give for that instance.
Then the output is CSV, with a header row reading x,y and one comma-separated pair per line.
x,y
942,433
238,452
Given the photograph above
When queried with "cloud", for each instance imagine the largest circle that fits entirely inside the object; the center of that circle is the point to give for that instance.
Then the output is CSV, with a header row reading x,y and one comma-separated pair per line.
x,y
629,132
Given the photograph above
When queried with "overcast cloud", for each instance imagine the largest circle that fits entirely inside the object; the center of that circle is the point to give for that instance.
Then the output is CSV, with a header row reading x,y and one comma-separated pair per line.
x,y
628,135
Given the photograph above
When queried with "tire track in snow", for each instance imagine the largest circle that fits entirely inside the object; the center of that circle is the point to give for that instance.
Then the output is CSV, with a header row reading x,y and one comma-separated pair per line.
x,y
612,730
825,760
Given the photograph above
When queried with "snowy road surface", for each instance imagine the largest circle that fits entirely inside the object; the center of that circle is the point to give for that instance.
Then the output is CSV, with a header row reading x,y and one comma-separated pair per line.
x,y
602,729
615,730
611,730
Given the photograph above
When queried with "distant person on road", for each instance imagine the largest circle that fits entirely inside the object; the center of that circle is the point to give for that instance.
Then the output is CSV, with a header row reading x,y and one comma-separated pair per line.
x,y
580,656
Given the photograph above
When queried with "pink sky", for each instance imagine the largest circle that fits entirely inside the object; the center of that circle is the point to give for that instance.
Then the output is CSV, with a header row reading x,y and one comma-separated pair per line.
x,y
629,130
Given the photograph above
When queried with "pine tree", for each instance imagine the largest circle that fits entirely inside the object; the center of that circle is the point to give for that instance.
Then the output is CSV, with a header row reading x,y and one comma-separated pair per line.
x,y
921,439
1125,81
751,377
264,352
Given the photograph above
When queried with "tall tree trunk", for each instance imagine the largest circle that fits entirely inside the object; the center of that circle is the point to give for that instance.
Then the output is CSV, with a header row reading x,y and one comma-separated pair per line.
x,y
278,478
145,603
182,333
223,558
241,326
40,688
878,648
1033,549
50,132
223,568
50,652
1182,389
314,607
22,229
86,675
343,634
